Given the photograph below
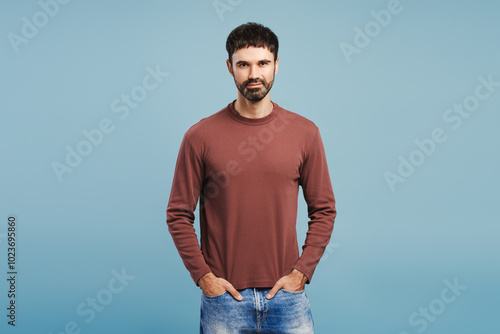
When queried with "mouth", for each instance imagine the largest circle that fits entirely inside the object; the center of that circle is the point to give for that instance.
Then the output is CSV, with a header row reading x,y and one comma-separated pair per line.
x,y
254,85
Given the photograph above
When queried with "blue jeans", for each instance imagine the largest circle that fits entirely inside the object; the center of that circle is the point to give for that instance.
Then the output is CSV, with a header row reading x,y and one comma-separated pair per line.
x,y
287,313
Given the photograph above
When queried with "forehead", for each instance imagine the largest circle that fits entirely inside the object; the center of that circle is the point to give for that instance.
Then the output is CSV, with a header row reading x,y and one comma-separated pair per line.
x,y
253,53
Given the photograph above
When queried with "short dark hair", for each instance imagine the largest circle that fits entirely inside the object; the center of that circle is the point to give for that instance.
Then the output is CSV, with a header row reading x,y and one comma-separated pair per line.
x,y
251,34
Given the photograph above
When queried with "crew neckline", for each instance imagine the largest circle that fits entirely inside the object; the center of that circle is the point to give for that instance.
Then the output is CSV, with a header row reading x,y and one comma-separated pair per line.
x,y
252,121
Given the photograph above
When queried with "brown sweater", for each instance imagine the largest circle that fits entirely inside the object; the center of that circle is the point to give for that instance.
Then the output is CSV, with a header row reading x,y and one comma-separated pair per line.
x,y
247,173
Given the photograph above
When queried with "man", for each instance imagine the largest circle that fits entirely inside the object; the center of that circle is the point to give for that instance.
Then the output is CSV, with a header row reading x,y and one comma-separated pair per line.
x,y
245,163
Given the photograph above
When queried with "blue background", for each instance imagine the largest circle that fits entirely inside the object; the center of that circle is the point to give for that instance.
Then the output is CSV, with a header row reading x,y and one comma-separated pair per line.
x,y
391,250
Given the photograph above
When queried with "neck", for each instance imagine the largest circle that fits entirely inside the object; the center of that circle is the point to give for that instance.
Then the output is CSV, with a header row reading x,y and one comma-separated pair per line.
x,y
251,109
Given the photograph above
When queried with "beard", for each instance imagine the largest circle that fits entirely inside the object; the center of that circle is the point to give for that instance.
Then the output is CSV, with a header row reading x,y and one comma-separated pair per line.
x,y
255,94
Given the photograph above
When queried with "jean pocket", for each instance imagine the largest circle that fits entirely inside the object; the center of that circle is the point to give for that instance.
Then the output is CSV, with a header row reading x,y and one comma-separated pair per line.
x,y
216,296
294,292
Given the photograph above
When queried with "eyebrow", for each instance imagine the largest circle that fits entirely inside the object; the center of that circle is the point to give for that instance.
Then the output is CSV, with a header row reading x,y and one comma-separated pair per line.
x,y
267,61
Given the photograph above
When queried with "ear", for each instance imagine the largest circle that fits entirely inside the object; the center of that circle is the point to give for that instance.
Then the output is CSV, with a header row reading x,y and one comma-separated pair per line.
x,y
229,67
276,65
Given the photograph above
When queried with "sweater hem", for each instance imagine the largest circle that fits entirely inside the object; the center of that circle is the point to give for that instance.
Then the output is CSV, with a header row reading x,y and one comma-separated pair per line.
x,y
246,285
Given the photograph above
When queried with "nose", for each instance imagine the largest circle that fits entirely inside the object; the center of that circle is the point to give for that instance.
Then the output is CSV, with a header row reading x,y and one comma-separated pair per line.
x,y
254,72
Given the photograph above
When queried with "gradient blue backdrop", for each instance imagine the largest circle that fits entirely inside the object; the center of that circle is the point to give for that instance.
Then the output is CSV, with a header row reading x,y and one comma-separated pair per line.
x,y
391,251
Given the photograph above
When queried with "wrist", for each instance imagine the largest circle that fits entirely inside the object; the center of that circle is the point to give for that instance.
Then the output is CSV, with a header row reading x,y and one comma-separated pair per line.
x,y
298,273
205,277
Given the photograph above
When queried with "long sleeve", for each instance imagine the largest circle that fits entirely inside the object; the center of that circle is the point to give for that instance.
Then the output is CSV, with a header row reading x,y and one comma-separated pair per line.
x,y
317,189
186,185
